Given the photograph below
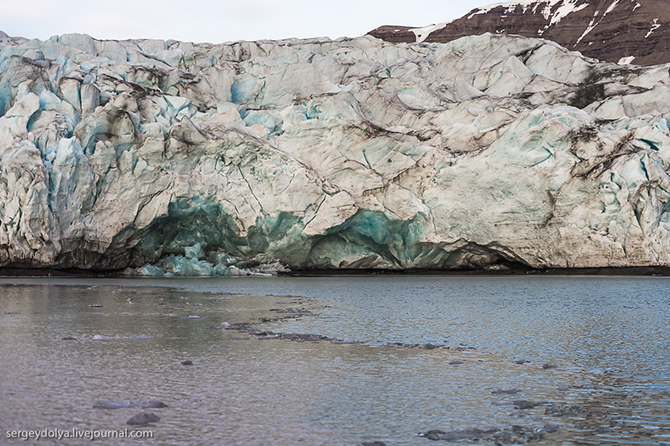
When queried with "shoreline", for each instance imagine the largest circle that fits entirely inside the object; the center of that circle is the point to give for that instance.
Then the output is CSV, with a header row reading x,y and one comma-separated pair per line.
x,y
637,271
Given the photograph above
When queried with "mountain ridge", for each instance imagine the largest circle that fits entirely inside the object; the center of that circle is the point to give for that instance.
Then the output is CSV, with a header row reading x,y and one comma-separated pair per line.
x,y
619,31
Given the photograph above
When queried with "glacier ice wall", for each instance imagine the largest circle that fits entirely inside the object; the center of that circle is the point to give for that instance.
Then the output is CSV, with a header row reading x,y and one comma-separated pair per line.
x,y
353,153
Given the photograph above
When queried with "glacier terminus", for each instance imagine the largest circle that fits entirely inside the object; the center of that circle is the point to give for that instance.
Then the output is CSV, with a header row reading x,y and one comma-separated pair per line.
x,y
174,158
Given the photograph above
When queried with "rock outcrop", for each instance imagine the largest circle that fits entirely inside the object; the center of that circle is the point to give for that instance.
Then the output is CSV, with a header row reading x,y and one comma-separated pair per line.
x,y
178,158
624,31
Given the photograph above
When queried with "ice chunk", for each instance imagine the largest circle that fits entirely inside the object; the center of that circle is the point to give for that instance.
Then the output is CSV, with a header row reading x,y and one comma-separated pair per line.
x,y
194,252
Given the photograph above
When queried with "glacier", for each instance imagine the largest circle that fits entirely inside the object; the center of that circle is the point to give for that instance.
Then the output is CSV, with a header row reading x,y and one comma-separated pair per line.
x,y
175,158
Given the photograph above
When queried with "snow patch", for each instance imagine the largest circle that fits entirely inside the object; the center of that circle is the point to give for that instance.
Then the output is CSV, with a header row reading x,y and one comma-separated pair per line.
x,y
422,33
552,10
510,6
566,7
626,60
612,6
637,5
564,10
654,27
587,30
595,15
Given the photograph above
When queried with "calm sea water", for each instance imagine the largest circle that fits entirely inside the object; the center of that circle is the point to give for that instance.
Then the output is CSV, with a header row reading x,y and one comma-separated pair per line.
x,y
604,344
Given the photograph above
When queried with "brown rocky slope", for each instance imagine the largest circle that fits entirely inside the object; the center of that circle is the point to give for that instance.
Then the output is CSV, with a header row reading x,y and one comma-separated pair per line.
x,y
624,31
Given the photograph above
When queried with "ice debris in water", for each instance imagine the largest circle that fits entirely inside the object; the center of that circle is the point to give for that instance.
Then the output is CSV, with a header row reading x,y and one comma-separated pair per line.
x,y
191,265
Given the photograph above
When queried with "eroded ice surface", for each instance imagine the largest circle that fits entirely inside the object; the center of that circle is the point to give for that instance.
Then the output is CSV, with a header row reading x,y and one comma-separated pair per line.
x,y
182,158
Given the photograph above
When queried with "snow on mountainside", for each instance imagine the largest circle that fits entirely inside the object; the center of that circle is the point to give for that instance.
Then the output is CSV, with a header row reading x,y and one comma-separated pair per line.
x,y
200,159
609,30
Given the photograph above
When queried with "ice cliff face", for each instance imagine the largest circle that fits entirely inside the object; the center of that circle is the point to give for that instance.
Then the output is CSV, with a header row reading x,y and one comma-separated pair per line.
x,y
354,153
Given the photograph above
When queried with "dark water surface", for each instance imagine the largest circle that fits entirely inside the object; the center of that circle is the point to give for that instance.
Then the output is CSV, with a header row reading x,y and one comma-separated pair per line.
x,y
608,338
